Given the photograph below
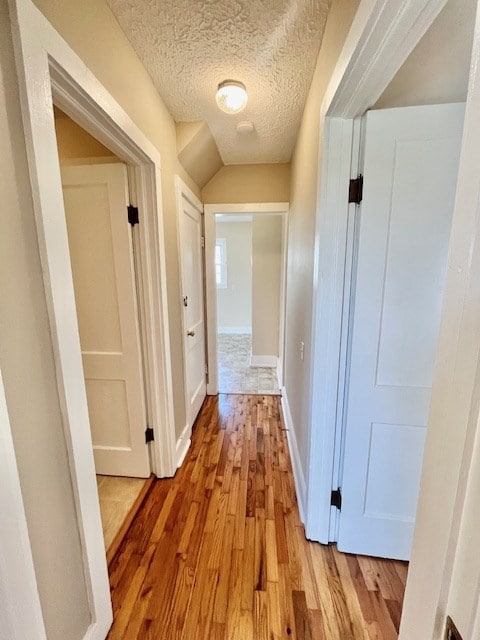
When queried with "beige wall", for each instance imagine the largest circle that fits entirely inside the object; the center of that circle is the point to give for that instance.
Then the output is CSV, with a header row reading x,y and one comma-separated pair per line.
x,y
83,25
437,69
75,142
266,277
303,203
234,304
198,151
27,363
236,183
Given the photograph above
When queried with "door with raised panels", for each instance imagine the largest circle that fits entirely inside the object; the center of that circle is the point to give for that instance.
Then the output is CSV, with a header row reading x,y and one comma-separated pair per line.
x,y
191,258
101,254
410,173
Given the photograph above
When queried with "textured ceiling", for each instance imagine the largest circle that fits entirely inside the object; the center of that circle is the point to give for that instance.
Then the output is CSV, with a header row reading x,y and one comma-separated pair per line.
x,y
189,46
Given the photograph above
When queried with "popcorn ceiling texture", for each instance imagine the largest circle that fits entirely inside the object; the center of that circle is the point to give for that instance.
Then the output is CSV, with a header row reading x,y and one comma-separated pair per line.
x,y
189,46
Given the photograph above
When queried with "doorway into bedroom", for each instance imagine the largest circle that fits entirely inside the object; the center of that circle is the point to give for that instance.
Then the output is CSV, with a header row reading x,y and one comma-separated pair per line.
x,y
249,257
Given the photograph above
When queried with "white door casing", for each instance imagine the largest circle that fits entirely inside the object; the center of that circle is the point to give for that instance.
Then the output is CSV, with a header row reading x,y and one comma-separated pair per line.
x,y
410,167
190,239
101,253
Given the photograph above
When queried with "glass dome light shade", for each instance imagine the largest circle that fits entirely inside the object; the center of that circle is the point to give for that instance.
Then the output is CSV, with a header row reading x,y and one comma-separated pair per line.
x,y
231,96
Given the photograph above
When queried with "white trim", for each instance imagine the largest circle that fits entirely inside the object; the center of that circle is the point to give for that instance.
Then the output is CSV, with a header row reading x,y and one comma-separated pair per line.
x,y
247,207
183,191
183,445
327,323
283,305
241,217
382,35
279,373
152,274
47,67
222,243
297,468
264,361
450,455
96,632
20,609
211,210
235,330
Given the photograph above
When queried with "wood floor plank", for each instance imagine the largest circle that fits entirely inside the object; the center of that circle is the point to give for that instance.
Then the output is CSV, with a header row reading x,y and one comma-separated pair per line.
x,y
219,551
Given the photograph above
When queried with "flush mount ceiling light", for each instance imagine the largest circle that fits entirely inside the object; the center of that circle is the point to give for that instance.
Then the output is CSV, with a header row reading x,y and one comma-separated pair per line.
x,y
231,96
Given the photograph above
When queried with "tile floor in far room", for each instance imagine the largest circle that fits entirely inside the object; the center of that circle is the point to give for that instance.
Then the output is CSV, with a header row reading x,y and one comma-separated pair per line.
x,y
235,375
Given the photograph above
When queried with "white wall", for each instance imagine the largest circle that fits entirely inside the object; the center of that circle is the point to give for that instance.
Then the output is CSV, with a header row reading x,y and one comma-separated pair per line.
x,y
267,271
234,304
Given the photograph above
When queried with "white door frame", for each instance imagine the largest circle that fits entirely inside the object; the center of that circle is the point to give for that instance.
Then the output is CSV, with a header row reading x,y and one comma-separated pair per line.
x,y
20,609
382,35
48,70
183,191
436,585
211,289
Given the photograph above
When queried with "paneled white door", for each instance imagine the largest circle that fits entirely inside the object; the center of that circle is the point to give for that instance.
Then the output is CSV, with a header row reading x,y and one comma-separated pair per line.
x,y
101,254
410,174
191,258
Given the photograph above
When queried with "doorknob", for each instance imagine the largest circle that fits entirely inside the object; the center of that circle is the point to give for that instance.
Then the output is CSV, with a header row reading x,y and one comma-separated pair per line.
x,y
185,301
190,333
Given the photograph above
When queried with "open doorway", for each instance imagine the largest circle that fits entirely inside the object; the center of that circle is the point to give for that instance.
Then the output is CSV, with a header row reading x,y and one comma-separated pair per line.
x,y
102,259
245,254
248,272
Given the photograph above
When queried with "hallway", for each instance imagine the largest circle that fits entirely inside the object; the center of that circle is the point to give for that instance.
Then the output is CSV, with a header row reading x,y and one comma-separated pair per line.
x,y
219,552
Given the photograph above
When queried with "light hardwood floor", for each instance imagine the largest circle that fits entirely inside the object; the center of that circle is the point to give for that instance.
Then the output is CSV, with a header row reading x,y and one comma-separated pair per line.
x,y
219,553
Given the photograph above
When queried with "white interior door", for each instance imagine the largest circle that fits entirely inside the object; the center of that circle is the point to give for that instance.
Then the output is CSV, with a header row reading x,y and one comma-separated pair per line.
x,y
410,173
191,258
101,253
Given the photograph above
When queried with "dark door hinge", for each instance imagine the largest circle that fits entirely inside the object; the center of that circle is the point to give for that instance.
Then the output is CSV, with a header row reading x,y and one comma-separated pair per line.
x,y
132,215
451,631
336,498
355,191
149,435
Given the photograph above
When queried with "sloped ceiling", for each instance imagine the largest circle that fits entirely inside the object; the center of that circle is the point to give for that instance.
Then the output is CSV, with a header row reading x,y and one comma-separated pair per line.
x,y
189,46
197,151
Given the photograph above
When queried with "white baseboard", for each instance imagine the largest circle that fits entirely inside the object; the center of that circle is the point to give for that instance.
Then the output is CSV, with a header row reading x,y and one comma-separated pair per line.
x,y
264,361
298,475
183,445
99,631
247,330
279,378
